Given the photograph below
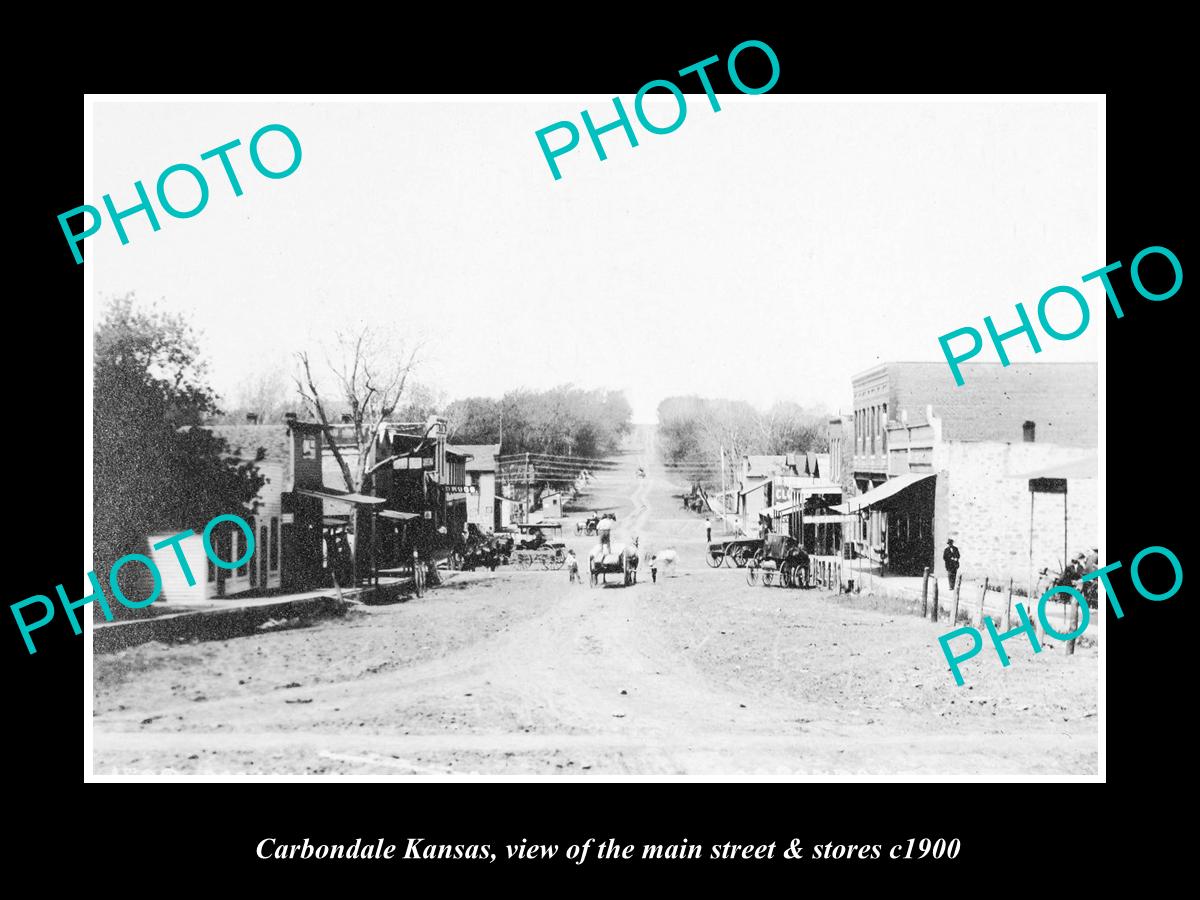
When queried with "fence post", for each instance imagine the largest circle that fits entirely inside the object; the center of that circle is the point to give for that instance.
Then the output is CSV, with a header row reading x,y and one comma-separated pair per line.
x,y
925,594
933,609
982,597
1074,625
957,590
1008,609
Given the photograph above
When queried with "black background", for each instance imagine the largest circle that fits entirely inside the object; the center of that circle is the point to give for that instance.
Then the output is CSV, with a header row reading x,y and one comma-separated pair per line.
x,y
163,835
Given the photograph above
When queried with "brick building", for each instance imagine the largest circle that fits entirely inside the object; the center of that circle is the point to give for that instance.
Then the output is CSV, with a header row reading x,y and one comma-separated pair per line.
x,y
940,461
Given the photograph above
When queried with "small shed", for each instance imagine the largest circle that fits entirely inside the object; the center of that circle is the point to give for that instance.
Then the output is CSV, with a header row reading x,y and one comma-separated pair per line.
x,y
552,505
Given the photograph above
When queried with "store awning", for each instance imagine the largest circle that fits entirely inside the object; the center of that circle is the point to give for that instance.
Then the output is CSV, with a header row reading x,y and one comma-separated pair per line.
x,y
396,514
891,488
779,509
352,499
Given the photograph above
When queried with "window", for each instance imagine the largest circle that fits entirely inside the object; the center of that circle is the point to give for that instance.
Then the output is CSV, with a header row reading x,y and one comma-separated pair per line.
x,y
263,544
883,425
308,447
274,543
239,552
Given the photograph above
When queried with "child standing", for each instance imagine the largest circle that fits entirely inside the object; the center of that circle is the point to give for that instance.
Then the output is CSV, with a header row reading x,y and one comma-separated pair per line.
x,y
573,567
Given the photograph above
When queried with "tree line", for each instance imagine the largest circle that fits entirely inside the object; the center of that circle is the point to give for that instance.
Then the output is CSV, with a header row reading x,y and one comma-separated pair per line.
x,y
562,421
693,430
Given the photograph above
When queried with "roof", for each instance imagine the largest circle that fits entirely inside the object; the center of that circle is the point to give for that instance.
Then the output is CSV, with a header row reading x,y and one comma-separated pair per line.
x,y
764,465
245,440
484,455
994,401
889,489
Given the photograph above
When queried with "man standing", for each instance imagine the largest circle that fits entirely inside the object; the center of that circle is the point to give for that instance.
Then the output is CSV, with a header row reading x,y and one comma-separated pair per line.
x,y
707,530
653,568
950,558
605,529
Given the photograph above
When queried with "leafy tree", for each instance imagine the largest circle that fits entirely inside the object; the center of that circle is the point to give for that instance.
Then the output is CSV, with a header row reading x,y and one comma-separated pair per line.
x,y
153,471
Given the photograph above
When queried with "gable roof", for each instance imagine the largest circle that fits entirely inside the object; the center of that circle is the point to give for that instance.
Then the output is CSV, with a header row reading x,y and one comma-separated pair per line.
x,y
245,440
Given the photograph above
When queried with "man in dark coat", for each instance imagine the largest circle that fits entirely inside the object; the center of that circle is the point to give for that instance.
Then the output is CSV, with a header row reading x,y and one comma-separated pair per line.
x,y
950,557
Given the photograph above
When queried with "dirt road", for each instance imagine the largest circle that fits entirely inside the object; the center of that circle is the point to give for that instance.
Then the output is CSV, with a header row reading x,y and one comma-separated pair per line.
x,y
523,673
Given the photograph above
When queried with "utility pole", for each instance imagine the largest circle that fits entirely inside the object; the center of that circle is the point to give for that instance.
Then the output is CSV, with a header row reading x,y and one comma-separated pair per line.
x,y
724,496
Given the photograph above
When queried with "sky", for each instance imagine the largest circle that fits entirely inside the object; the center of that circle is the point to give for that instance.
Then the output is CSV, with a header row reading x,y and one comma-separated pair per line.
x,y
765,252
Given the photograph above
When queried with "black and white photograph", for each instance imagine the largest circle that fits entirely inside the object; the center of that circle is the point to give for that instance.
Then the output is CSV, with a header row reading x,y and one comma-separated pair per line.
x,y
464,437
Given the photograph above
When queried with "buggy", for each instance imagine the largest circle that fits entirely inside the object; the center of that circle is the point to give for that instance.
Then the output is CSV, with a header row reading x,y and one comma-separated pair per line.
x,y
780,560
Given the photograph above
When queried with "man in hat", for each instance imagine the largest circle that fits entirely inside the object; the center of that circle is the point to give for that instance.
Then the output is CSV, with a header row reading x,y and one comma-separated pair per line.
x,y
950,557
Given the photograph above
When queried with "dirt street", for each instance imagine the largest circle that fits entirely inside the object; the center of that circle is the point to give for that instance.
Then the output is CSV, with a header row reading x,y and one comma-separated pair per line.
x,y
522,673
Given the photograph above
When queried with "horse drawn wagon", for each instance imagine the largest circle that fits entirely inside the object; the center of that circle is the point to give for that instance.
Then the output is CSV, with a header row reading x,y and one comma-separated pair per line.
x,y
780,560
733,553
620,559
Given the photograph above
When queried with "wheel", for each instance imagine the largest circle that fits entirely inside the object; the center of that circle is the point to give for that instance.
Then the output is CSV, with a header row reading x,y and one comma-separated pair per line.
x,y
558,560
714,558
751,574
523,560
735,557
759,555
786,574
768,578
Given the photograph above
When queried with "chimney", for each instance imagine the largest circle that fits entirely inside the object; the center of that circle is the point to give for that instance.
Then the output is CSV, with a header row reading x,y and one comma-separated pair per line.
x,y
1028,428
251,418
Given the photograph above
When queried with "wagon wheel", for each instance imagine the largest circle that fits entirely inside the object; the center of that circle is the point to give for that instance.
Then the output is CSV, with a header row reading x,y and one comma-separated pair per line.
x,y
544,559
714,558
800,576
759,555
557,561
786,573
736,556
523,560
751,574
767,577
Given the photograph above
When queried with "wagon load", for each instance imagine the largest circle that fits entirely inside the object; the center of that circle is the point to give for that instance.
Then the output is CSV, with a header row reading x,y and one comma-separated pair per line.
x,y
620,559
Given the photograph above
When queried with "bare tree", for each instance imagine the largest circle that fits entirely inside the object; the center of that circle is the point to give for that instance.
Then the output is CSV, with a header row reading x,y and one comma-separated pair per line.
x,y
369,379
265,394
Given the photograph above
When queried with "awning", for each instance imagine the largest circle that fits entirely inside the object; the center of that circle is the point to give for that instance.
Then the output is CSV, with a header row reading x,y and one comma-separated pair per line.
x,y
889,489
353,499
396,514
779,509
